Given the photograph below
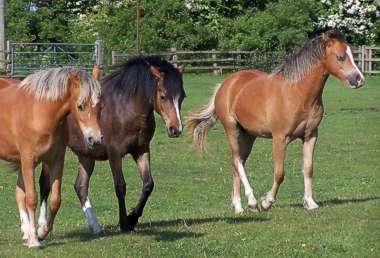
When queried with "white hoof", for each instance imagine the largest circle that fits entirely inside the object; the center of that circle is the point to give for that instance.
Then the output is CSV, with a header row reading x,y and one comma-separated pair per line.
x,y
42,231
33,243
309,204
266,201
25,237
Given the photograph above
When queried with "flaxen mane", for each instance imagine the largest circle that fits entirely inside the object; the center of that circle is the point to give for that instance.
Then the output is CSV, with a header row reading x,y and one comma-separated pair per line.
x,y
52,84
298,65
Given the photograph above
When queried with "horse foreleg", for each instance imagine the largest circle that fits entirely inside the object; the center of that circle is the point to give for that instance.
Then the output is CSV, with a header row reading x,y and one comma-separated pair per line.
x,y
20,198
54,170
44,183
308,151
27,171
120,189
143,164
86,167
279,147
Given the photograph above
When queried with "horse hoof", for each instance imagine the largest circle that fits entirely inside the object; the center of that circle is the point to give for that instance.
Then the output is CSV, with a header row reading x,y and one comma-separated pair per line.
x,y
266,202
42,232
97,231
33,244
310,204
239,211
254,208
127,228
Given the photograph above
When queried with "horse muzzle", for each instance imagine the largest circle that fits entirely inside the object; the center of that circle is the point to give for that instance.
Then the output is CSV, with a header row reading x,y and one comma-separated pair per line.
x,y
355,80
92,140
174,132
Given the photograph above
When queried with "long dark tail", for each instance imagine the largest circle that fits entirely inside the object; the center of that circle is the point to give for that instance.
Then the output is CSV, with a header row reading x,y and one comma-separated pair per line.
x,y
198,123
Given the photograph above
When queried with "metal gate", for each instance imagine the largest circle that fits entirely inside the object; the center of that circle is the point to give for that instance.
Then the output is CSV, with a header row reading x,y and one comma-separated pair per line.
x,y
25,58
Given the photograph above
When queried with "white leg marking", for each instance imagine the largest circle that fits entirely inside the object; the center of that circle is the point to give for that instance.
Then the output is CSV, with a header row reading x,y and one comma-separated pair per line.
x,y
42,219
247,187
236,202
91,218
176,105
24,224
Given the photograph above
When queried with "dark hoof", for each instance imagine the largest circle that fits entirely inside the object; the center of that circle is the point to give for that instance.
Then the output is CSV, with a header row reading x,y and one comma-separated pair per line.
x,y
130,224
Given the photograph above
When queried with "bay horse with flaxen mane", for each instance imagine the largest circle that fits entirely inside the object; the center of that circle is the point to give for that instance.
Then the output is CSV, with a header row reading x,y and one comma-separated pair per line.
x,y
33,129
130,95
284,105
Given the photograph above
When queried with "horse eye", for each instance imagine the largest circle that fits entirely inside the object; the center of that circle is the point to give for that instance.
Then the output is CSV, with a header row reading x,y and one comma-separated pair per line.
x,y
340,58
80,108
162,97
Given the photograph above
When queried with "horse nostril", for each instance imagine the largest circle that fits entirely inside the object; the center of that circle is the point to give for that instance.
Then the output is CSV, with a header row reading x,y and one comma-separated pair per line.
x,y
358,78
90,140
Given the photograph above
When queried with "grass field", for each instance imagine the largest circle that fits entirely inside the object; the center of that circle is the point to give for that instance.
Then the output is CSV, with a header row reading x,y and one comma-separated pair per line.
x,y
189,213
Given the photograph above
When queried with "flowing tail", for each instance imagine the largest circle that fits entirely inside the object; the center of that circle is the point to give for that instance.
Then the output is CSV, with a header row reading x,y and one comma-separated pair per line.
x,y
198,123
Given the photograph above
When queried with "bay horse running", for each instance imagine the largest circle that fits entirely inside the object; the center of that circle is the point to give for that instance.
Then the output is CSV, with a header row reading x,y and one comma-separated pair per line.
x,y
130,96
284,105
33,129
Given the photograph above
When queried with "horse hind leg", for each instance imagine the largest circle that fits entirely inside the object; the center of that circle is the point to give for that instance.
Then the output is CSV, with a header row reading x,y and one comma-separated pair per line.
x,y
120,188
241,146
86,167
45,188
52,169
143,163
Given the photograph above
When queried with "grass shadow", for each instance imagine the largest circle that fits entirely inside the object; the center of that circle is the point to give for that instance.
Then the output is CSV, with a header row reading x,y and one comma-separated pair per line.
x,y
337,201
157,230
200,221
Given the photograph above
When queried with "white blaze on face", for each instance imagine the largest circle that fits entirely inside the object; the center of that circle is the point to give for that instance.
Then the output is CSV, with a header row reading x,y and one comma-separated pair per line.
x,y
351,58
176,105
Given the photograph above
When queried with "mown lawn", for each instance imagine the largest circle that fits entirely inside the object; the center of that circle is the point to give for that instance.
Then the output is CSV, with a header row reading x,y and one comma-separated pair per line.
x,y
189,213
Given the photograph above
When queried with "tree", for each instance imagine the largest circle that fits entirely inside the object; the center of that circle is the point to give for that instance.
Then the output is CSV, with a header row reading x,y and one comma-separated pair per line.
x,y
356,18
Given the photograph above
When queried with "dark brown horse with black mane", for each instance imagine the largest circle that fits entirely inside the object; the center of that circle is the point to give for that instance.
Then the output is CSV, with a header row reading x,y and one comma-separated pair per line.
x,y
284,105
33,129
130,96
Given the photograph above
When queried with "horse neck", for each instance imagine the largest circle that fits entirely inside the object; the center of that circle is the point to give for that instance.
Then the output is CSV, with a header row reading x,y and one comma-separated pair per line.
x,y
312,85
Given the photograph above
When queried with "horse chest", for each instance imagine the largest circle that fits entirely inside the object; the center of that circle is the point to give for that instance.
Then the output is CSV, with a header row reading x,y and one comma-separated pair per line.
x,y
308,123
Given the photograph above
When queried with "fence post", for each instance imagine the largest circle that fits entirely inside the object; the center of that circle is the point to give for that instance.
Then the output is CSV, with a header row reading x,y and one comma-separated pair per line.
x,y
113,57
363,58
173,53
8,57
238,57
99,53
215,65
369,59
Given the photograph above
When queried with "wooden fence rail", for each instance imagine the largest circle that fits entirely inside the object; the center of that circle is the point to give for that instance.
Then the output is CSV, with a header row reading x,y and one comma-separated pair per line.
x,y
366,57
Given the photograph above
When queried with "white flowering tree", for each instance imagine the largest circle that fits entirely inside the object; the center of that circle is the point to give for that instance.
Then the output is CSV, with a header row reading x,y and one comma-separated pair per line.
x,y
354,17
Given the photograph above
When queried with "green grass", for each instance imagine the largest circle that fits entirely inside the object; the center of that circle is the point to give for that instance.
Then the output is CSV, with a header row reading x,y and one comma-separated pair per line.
x,y
189,213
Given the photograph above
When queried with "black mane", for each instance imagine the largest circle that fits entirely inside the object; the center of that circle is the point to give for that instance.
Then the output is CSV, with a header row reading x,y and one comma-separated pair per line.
x,y
134,77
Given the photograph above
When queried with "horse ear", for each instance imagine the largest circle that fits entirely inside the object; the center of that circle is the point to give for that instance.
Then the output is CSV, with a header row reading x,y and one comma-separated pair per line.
x,y
181,69
156,73
96,72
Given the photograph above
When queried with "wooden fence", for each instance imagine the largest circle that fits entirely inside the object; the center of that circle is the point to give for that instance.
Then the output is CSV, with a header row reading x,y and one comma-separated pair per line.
x,y
366,57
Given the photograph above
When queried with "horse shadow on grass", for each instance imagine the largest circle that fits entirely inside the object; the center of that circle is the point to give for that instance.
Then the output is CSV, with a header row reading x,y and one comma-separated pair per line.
x,y
336,201
157,229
